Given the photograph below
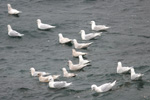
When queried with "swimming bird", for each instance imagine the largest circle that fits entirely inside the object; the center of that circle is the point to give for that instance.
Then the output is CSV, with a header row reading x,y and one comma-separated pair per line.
x,y
135,76
103,88
82,61
12,11
89,36
77,53
43,78
13,33
66,74
58,84
80,45
75,67
98,27
43,26
35,73
63,40
121,69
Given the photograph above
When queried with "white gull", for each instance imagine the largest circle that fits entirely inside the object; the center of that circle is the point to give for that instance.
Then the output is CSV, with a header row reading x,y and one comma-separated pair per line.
x,y
63,40
98,27
77,53
75,67
89,36
103,88
13,33
135,76
80,45
12,11
121,69
66,74
43,26
58,84
35,73
82,61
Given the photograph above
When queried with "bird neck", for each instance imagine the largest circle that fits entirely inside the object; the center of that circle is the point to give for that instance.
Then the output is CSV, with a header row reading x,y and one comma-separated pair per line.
x,y
93,25
83,35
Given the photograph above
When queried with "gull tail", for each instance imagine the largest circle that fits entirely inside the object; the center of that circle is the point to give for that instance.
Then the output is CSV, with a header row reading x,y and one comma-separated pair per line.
x,y
68,84
113,84
98,34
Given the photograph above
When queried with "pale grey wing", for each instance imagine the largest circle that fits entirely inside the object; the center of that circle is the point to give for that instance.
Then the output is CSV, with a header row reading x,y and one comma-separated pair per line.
x,y
106,87
89,36
60,84
44,26
14,33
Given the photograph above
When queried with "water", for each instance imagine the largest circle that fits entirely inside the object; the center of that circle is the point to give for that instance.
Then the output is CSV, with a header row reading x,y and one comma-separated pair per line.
x,y
127,41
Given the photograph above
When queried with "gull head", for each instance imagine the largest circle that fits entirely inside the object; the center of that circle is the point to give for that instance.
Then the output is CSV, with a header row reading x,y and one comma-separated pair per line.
x,y
74,41
119,64
9,28
38,21
60,35
93,87
82,31
64,69
92,22
9,6
32,69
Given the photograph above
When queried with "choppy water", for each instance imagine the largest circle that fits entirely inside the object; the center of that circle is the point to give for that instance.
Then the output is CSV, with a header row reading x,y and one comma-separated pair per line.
x,y
127,41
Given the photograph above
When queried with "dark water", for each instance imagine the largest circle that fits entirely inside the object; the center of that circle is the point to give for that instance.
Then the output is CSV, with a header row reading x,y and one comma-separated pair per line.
x,y
127,41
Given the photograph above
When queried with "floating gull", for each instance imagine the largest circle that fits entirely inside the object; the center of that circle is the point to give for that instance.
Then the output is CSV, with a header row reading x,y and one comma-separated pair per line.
x,y
13,33
80,45
43,26
82,61
135,76
63,40
74,67
35,73
12,11
89,36
46,78
77,53
121,69
98,27
58,84
66,74
43,78
103,88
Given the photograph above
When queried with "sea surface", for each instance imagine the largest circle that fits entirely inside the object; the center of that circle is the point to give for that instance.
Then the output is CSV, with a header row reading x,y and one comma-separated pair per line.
x,y
128,41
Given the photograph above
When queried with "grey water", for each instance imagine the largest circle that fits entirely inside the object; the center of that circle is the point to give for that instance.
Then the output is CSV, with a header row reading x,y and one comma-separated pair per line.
x,y
127,41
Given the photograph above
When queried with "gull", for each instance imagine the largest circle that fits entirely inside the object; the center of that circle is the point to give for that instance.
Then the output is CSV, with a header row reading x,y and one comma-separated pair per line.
x,y
63,40
77,53
121,69
98,27
58,84
75,67
103,88
35,73
13,33
66,74
43,26
46,78
89,36
42,78
82,61
135,76
12,11
80,45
